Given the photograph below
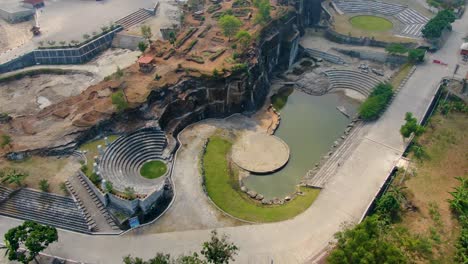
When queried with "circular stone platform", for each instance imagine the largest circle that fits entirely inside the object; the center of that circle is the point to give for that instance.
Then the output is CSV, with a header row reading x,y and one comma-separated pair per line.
x,y
260,153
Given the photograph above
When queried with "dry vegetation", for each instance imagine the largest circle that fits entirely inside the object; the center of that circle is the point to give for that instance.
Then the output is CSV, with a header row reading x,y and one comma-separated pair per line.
x,y
446,142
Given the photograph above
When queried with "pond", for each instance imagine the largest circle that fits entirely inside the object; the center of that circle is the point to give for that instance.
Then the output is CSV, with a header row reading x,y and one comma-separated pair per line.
x,y
309,125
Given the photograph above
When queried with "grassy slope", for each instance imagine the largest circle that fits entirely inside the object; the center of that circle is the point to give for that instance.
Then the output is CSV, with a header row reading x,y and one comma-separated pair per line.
x,y
153,169
91,148
401,75
223,189
446,142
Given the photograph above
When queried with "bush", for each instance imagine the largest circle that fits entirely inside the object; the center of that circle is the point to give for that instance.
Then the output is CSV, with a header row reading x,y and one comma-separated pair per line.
x,y
142,46
94,178
459,206
374,106
119,100
416,55
396,49
411,126
388,206
6,140
109,187
64,189
44,185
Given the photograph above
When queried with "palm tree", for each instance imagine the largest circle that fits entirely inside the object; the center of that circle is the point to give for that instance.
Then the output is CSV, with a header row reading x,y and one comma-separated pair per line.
x,y
14,177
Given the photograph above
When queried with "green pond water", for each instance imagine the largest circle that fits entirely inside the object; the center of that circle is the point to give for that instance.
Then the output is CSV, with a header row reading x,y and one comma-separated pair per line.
x,y
309,125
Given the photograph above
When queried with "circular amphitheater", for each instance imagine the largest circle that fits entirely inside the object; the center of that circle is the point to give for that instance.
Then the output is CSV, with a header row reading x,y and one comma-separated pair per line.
x,y
360,82
123,159
412,22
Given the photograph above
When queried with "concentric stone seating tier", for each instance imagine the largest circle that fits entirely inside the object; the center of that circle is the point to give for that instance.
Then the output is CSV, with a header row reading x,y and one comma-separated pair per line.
x,y
123,159
413,22
134,18
363,83
326,56
360,6
45,208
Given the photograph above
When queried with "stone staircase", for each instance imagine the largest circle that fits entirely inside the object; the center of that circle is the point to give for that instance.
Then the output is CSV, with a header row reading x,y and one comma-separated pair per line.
x,y
317,178
91,205
46,208
134,18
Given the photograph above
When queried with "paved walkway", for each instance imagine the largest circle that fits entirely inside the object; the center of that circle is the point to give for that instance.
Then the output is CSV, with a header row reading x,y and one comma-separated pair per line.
x,y
345,199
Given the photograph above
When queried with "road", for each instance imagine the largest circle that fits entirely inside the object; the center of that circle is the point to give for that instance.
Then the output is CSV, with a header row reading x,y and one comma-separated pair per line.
x,y
345,198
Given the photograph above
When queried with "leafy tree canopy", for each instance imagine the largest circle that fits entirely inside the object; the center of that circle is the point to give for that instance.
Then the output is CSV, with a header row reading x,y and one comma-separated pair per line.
x,y
230,25
31,235
396,49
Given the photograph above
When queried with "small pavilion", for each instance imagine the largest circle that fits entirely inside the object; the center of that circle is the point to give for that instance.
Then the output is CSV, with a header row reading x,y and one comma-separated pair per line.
x,y
146,63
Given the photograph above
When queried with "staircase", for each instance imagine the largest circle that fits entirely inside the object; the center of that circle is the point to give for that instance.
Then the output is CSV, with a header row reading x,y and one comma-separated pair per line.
x,y
90,203
320,177
47,209
134,18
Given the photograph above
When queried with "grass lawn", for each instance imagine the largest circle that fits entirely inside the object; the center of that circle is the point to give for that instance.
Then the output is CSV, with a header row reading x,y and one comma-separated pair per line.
x,y
153,169
445,142
223,188
400,75
371,23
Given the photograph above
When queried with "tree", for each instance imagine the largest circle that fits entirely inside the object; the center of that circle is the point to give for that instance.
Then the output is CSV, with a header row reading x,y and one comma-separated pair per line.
x,y
230,25
411,126
119,100
31,235
264,9
388,206
365,244
375,104
396,49
12,176
44,185
146,32
216,251
142,46
244,38
219,250
172,37
434,28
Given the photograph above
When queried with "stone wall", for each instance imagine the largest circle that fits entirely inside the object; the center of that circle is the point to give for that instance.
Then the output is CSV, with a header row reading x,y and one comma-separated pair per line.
x,y
381,57
125,41
343,39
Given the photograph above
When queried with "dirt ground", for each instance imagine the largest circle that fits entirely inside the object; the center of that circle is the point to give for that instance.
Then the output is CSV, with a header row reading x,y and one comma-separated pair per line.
x,y
446,142
31,94
54,169
14,35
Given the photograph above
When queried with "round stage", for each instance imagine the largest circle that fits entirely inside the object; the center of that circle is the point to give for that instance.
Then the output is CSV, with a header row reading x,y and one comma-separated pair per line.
x,y
260,153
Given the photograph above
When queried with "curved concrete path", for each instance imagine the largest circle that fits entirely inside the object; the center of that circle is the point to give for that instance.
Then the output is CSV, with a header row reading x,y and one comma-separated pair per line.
x,y
345,198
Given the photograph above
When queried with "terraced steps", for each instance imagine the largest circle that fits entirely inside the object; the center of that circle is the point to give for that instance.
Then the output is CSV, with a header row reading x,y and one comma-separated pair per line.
x,y
363,83
134,18
45,208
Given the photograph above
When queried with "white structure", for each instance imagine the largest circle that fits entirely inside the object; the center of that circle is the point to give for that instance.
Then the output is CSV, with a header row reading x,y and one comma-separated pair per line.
x,y
12,11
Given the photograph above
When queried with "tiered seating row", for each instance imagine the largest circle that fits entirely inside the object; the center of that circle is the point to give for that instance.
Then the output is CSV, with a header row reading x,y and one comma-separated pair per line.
x,y
123,159
362,6
326,56
134,18
45,208
346,79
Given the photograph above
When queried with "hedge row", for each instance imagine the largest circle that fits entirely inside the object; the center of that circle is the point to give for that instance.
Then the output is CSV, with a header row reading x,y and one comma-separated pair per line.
x,y
375,104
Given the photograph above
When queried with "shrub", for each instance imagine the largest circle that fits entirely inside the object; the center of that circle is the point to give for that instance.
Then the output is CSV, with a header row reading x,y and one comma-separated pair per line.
x,y
375,104
44,185
230,25
63,188
109,187
142,46
130,193
119,100
119,72
94,178
6,140
396,49
416,55
411,126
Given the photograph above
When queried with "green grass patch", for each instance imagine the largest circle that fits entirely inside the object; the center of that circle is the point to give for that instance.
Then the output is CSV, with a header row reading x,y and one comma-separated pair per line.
x,y
153,169
398,78
223,188
91,149
371,23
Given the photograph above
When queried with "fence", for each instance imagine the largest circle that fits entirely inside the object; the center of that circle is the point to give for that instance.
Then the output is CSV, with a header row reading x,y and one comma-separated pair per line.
x,y
75,55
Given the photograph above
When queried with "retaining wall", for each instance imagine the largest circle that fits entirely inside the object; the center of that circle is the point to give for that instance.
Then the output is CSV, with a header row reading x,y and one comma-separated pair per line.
x,y
76,55
343,39
125,41
381,57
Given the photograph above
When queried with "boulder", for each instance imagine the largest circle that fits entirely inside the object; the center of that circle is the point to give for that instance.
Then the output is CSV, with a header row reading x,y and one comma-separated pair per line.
x,y
287,198
244,189
252,194
259,197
